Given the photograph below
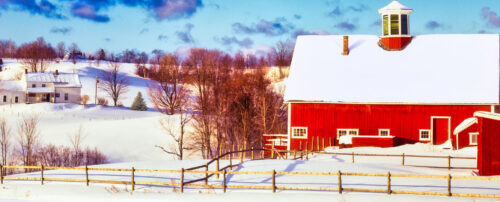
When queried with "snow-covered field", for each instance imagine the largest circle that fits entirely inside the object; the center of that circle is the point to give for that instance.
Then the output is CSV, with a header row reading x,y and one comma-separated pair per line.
x,y
62,191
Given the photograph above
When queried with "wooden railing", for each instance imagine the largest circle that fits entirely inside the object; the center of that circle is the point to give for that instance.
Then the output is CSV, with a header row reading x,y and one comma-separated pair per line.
x,y
227,170
224,184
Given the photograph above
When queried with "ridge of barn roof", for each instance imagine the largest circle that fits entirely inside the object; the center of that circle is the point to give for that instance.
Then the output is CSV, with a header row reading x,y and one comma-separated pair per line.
x,y
432,69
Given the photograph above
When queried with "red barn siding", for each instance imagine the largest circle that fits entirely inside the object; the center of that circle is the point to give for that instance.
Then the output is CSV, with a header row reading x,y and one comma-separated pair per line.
x,y
362,141
488,158
404,121
463,137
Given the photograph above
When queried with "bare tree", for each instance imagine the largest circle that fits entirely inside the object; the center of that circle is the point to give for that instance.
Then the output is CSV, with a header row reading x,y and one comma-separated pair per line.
x,y
4,140
76,142
167,94
113,82
177,135
281,55
28,138
61,50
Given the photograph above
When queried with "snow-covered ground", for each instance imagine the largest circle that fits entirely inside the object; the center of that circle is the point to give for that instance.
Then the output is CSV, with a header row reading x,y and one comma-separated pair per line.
x,y
63,191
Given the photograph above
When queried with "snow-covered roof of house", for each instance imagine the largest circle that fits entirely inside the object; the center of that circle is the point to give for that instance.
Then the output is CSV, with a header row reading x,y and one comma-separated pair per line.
x,y
60,80
431,69
12,85
395,5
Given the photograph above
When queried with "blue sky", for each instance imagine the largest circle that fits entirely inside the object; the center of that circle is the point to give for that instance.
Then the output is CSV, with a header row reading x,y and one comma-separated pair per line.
x,y
230,25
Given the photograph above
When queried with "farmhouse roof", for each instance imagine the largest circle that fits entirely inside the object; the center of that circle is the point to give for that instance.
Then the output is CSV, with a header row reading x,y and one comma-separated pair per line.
x,y
432,69
16,85
59,80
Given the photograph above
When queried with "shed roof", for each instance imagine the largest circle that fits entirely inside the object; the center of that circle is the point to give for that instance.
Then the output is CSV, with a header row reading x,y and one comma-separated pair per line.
x,y
432,69
12,85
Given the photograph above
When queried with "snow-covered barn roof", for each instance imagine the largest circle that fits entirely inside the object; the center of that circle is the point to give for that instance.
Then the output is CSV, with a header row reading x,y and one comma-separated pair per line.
x,y
432,69
60,80
17,85
394,5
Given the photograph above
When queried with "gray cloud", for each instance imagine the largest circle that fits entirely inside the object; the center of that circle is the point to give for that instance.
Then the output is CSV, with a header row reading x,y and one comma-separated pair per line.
x,y
277,27
490,16
432,25
228,41
185,36
345,25
61,30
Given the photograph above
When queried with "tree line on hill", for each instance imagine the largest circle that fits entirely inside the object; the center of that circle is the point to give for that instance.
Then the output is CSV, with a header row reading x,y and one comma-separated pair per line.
x,y
229,104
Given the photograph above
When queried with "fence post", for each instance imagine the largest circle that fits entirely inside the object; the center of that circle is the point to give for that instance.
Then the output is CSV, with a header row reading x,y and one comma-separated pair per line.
x,y
231,160
1,174
217,167
262,152
274,181
224,180
312,144
317,143
252,154
340,182
206,173
389,182
449,162
232,152
133,179
41,174
403,159
294,155
300,147
272,151
449,184
286,155
182,180
352,157
307,155
87,175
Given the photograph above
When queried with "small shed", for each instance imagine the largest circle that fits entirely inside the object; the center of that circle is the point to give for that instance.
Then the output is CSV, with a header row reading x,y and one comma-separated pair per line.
x,y
488,157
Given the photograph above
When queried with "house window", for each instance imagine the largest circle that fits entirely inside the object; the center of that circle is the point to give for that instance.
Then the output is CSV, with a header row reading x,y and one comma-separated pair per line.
x,y
299,132
66,96
385,24
473,138
384,132
57,94
4,98
33,85
43,85
404,24
342,132
16,99
394,24
425,135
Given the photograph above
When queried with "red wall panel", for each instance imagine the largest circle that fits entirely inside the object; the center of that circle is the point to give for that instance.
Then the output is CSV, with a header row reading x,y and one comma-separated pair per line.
x,y
404,121
488,158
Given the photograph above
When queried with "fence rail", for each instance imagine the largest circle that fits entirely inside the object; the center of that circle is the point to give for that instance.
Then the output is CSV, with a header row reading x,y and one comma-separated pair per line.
x,y
224,184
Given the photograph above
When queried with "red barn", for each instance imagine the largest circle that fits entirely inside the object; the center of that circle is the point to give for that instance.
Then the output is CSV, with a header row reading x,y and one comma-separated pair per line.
x,y
390,90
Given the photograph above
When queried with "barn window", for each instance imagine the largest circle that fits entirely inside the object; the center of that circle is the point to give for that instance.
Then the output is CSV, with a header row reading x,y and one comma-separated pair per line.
x,y
43,85
385,24
384,132
299,132
342,132
404,24
66,96
425,135
473,138
394,24
33,85
17,99
57,94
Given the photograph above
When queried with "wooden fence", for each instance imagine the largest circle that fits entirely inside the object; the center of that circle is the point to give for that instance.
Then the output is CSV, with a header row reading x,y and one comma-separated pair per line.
x,y
273,187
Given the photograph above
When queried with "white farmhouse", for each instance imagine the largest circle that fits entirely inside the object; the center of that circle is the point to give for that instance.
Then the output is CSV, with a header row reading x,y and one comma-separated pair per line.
x,y
35,87
52,87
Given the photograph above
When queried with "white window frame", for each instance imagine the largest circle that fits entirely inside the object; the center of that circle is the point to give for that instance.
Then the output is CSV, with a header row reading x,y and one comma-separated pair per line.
x,y
384,129
299,137
420,135
470,138
347,131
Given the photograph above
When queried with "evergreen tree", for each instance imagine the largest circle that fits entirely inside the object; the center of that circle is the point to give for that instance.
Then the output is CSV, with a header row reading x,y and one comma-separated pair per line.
x,y
139,103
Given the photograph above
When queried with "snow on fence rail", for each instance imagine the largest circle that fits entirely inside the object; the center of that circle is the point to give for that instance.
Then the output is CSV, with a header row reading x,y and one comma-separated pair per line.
x,y
273,187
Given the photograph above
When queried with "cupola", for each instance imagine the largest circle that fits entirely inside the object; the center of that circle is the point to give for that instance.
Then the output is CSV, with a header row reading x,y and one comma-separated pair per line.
x,y
395,26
